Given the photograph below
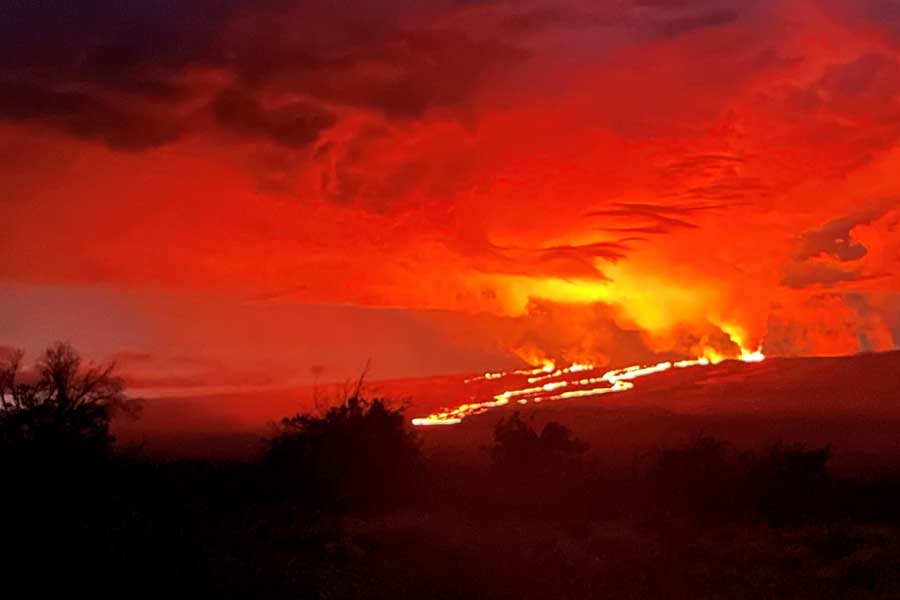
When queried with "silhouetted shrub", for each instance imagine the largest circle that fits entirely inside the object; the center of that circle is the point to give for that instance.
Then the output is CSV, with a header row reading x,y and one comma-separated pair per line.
x,y
519,451
838,543
868,500
704,477
793,483
786,484
360,455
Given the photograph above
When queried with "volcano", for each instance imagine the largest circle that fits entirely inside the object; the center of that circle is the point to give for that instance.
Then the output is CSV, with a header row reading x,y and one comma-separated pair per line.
x,y
850,402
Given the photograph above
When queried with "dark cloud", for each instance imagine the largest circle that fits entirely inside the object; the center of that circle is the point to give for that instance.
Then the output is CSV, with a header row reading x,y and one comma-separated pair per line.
x,y
739,189
347,177
76,38
864,90
564,261
671,18
396,57
393,57
402,66
859,76
714,178
833,239
852,107
678,25
68,65
804,274
829,255
883,15
651,218
544,16
123,68
84,116
296,125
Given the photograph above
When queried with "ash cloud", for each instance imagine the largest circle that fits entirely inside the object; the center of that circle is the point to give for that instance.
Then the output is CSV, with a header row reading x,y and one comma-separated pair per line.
x,y
398,58
829,255
295,125
84,116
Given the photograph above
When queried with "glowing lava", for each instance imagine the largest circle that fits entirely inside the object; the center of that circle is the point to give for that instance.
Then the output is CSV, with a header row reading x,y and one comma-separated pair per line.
x,y
618,380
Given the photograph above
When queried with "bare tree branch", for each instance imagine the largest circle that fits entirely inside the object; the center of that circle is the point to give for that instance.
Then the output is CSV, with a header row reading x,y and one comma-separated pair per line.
x,y
362,378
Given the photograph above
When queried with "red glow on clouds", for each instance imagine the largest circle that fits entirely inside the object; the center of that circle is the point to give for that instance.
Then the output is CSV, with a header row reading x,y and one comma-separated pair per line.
x,y
280,192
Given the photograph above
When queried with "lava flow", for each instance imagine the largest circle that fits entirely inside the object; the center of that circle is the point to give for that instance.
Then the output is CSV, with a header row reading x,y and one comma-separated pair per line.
x,y
560,385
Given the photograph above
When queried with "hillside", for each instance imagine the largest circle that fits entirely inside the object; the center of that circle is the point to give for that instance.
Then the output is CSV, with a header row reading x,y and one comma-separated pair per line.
x,y
852,402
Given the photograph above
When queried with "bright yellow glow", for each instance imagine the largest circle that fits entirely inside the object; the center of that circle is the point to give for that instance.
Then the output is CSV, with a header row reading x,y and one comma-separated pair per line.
x,y
755,356
671,302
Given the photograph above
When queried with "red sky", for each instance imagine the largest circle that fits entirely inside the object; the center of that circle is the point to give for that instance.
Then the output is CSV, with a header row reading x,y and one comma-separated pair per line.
x,y
236,193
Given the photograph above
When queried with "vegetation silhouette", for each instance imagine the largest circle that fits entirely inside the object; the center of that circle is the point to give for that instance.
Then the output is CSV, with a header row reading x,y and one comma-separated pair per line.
x,y
705,478
520,451
708,478
793,483
59,465
541,471
360,454
60,411
346,503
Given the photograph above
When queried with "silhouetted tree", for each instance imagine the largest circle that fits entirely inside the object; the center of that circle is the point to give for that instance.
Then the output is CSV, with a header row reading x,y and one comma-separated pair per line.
x,y
59,489
61,410
360,454
519,451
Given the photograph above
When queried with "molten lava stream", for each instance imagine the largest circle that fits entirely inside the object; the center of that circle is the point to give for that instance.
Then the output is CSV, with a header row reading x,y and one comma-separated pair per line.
x,y
618,380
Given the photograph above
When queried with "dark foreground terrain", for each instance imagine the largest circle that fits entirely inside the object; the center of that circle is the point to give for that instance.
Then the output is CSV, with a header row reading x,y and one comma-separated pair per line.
x,y
350,503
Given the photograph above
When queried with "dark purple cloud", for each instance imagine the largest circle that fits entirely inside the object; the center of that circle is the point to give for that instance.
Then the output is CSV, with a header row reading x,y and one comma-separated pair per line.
x,y
396,57
295,125
85,116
